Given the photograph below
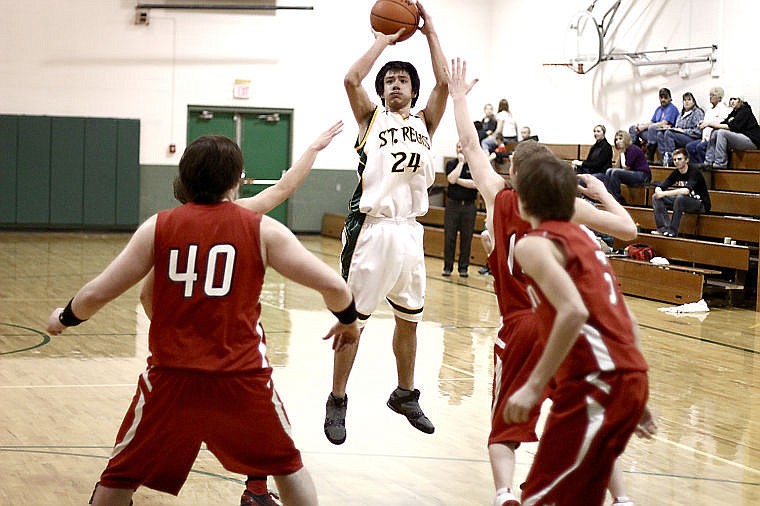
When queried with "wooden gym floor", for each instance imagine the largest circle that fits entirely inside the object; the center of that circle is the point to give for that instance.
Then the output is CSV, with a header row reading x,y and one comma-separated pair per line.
x,y
62,398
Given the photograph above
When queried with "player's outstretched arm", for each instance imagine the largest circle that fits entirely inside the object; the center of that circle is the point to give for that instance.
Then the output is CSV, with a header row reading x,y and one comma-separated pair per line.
x,y
129,267
488,182
436,104
613,219
540,259
282,251
275,195
361,105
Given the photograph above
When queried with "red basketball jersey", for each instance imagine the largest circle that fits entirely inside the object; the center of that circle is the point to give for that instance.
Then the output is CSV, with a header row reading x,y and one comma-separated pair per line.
x,y
606,342
208,279
509,282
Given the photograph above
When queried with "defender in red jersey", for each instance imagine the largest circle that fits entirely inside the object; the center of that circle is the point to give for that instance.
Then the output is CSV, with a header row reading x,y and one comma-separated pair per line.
x,y
590,345
256,491
208,350
515,348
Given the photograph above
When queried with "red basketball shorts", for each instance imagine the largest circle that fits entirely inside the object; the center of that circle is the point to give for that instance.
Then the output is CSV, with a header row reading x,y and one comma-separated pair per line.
x,y
590,422
238,416
516,352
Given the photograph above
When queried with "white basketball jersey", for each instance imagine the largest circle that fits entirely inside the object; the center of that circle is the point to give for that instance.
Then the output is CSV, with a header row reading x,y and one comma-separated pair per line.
x,y
395,168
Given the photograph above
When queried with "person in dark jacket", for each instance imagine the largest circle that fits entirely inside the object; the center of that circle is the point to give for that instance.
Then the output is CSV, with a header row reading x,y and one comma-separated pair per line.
x,y
599,157
459,215
684,191
739,131
487,125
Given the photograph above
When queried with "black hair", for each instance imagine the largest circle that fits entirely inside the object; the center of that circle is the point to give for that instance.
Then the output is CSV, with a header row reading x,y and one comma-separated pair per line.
x,y
691,96
398,65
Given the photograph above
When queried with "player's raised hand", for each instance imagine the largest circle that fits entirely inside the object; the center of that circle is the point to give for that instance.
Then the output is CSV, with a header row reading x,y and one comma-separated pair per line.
x,y
389,39
427,26
343,335
456,77
327,136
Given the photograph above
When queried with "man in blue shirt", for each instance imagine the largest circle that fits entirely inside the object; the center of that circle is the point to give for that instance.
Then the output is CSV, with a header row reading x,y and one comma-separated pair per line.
x,y
646,133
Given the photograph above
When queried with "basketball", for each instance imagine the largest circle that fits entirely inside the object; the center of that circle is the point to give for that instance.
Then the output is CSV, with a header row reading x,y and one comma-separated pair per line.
x,y
389,16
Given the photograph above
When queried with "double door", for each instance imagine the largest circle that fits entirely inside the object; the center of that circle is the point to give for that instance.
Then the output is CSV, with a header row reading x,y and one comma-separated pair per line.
x,y
264,137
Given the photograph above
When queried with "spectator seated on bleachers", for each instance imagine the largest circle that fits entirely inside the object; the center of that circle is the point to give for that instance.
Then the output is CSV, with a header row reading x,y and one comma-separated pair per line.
x,y
505,127
739,131
716,113
501,151
487,125
646,133
526,136
683,191
599,157
685,130
629,166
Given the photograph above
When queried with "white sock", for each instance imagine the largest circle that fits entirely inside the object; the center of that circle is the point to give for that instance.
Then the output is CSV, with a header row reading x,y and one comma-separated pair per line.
x,y
502,495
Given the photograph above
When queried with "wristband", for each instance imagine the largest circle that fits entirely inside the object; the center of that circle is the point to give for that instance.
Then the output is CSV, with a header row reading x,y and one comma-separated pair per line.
x,y
348,315
67,316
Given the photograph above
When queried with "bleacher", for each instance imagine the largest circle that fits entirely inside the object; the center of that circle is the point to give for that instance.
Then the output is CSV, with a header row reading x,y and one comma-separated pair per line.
x,y
715,253
701,263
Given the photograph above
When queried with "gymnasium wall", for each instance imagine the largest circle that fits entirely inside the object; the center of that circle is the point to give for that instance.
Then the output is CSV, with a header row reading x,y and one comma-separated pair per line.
x,y
87,58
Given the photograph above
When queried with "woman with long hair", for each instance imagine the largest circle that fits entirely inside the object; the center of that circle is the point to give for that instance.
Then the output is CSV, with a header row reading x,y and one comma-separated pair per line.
x,y
629,166
686,129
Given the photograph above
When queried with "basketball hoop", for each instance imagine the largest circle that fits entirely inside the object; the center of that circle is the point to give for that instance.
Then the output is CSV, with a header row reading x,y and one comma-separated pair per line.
x,y
575,67
583,44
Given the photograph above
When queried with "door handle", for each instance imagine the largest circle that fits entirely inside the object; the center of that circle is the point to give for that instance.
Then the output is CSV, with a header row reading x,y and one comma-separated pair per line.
x,y
270,118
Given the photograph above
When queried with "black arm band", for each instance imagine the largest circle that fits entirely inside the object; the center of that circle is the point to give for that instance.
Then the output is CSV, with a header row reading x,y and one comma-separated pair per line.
x,y
348,315
68,318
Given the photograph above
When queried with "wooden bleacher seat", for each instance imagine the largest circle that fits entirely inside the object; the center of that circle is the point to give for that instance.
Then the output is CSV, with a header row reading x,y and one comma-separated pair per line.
x,y
434,218
564,151
741,228
740,203
725,264
332,225
736,180
433,241
694,252
635,195
660,173
667,284
748,159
